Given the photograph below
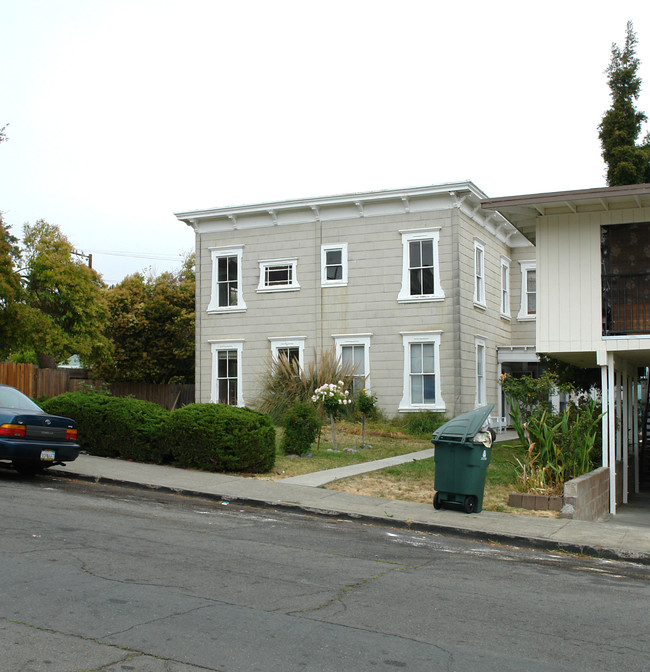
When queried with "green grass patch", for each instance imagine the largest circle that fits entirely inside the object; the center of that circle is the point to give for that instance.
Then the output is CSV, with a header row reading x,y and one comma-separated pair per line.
x,y
414,481
385,439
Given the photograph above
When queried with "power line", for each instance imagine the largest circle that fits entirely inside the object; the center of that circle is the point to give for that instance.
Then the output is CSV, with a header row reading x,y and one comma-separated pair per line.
x,y
135,255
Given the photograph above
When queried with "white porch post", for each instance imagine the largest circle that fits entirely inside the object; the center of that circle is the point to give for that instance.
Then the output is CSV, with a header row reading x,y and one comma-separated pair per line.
x,y
604,422
611,431
635,430
625,379
618,405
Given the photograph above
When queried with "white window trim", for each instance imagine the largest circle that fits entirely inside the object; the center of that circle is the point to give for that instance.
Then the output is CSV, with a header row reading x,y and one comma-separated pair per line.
x,y
344,263
217,253
404,295
293,286
409,337
479,274
524,315
481,386
215,347
505,288
288,342
355,339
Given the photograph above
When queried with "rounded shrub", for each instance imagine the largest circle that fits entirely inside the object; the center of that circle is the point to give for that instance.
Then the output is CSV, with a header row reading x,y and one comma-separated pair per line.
x,y
115,426
217,437
301,426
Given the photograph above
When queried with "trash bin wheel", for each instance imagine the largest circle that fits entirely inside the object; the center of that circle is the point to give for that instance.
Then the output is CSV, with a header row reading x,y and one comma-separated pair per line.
x,y
437,504
470,504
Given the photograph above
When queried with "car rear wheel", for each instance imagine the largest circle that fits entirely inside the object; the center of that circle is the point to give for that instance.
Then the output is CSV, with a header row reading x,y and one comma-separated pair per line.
x,y
28,469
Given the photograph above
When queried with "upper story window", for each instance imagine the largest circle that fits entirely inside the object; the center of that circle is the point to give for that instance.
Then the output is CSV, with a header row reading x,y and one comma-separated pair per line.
x,y
420,268
278,275
505,287
528,309
334,265
479,274
354,350
226,294
422,384
625,279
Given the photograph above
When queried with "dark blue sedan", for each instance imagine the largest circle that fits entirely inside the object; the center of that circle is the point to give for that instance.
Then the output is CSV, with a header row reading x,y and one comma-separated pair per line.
x,y
31,439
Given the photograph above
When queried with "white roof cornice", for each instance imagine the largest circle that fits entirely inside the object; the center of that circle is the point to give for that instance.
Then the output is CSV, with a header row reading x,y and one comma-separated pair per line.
x,y
360,197
465,196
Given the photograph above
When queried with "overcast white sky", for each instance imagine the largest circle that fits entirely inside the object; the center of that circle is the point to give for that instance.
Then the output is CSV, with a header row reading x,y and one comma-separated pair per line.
x,y
122,112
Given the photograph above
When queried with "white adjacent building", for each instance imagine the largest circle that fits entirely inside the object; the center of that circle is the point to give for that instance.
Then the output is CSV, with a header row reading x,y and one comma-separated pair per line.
x,y
593,305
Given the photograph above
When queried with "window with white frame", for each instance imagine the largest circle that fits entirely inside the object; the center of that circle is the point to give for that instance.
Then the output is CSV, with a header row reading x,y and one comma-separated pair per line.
x,y
420,268
334,265
292,349
354,351
422,384
528,309
226,294
479,345
479,273
278,275
227,372
505,287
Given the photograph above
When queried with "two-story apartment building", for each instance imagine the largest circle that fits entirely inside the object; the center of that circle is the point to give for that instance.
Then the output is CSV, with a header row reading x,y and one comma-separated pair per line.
x,y
593,307
431,295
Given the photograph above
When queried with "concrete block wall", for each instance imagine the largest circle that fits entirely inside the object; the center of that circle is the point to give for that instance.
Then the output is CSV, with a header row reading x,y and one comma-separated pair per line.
x,y
587,497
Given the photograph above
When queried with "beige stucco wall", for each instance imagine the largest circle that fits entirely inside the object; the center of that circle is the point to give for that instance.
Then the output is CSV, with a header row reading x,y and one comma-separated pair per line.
x,y
368,304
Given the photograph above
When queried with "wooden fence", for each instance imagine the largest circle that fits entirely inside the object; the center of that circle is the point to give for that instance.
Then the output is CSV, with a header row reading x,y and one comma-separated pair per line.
x,y
20,376
36,383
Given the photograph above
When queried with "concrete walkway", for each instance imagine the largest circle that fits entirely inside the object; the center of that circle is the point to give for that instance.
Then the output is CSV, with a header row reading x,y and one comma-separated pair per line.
x,y
625,540
318,478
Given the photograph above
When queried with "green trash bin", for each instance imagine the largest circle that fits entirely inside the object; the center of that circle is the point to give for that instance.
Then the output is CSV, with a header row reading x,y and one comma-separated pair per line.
x,y
463,448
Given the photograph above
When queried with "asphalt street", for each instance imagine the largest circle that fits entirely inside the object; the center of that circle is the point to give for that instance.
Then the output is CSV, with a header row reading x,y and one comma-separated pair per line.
x,y
99,577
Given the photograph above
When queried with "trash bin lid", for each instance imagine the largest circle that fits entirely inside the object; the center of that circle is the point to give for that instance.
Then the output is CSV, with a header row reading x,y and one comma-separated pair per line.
x,y
463,427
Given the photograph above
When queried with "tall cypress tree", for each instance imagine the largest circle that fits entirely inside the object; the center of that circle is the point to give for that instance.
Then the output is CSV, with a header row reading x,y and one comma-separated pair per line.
x,y
627,162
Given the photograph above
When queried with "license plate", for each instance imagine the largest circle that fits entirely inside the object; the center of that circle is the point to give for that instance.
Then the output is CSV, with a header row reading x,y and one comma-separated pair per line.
x,y
47,455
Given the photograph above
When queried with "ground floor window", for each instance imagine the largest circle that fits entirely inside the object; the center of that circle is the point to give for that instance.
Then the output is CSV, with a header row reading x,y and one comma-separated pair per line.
x,y
480,372
289,348
226,373
354,351
422,389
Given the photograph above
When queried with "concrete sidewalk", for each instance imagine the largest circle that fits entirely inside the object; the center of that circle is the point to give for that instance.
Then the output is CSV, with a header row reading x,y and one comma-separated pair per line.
x,y
616,538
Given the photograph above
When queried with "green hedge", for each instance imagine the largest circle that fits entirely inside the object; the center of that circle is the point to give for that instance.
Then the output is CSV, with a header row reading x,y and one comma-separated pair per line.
x,y
116,426
216,437
211,437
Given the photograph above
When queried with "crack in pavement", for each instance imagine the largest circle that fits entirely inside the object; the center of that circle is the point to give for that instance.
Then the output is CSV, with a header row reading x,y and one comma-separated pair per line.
x,y
129,652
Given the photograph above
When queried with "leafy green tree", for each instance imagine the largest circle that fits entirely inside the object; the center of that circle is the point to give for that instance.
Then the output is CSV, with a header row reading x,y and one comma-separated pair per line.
x,y
10,287
63,309
627,162
152,328
3,134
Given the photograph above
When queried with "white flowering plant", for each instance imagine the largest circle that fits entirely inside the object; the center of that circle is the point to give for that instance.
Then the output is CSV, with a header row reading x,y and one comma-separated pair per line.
x,y
332,396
